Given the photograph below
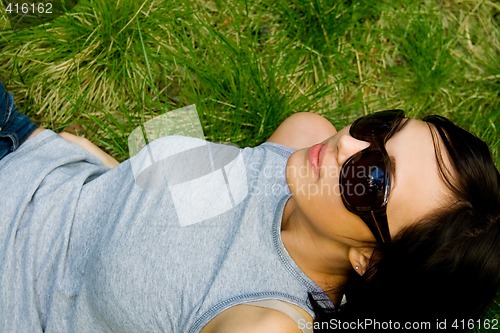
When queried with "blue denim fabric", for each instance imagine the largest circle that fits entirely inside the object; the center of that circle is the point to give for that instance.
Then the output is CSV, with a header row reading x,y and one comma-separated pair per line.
x,y
14,126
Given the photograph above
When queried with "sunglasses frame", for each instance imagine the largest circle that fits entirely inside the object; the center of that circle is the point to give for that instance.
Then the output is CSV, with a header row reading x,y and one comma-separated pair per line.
x,y
374,217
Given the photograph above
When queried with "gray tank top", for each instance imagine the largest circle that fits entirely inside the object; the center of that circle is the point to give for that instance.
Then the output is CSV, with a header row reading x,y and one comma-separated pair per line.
x,y
162,243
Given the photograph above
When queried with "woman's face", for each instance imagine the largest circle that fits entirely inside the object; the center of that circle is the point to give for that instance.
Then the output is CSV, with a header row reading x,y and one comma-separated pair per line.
x,y
416,187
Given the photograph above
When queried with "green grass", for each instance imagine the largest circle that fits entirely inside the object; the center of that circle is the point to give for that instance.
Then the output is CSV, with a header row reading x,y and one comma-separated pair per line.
x,y
107,66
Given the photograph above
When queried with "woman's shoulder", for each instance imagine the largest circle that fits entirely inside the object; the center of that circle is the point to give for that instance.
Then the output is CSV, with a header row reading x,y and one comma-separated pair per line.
x,y
302,130
248,318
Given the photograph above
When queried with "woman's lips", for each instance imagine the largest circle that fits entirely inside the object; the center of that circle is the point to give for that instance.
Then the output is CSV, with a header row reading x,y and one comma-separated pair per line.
x,y
314,157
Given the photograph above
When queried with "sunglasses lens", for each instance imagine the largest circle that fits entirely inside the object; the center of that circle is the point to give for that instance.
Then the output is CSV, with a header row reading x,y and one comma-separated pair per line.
x,y
364,178
376,124
364,181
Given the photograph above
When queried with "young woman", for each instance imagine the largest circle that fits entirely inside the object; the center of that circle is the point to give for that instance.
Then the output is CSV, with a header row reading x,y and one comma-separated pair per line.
x,y
399,215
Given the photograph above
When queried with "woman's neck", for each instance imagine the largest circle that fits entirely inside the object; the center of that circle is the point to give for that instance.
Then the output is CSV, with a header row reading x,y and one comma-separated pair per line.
x,y
324,261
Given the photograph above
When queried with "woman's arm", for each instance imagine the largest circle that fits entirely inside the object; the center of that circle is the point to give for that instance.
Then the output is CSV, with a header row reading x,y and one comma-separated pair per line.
x,y
106,159
302,130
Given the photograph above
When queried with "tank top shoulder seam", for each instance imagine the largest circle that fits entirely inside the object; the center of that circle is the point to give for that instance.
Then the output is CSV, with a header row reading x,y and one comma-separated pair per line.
x,y
242,299
284,151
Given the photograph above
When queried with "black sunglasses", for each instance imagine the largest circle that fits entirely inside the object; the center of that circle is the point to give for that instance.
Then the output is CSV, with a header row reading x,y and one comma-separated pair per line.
x,y
365,178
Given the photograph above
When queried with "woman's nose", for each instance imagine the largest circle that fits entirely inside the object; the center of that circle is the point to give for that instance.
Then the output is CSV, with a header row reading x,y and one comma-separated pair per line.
x,y
348,146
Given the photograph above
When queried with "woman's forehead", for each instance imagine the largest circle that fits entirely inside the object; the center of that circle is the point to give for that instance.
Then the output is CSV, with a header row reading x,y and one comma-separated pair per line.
x,y
414,133
419,188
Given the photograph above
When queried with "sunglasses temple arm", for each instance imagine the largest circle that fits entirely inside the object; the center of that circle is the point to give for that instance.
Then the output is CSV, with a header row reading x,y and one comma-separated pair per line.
x,y
377,222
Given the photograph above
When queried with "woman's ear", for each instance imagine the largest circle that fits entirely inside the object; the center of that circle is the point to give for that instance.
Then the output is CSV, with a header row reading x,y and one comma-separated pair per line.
x,y
359,258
